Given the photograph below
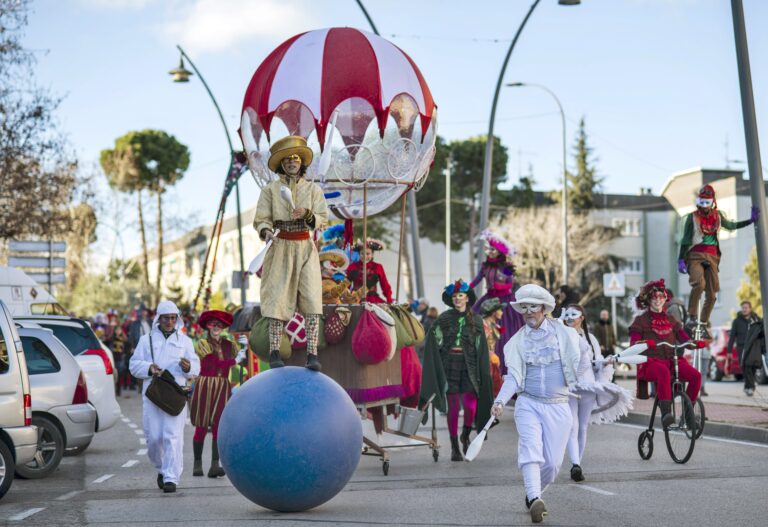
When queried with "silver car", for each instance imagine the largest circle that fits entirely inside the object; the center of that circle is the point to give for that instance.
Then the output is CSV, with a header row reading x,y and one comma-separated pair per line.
x,y
60,407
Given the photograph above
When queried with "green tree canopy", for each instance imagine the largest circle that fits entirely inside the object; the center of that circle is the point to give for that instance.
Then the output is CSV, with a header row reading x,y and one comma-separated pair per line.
x,y
750,287
585,183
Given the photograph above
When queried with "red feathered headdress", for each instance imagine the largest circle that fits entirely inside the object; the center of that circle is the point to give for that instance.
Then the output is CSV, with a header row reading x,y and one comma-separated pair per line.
x,y
643,298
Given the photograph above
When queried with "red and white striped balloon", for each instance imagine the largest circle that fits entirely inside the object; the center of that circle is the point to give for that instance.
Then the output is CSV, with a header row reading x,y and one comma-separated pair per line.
x,y
357,90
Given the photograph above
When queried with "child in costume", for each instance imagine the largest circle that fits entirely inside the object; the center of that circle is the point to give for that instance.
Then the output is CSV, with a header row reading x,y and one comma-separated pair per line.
x,y
542,361
456,366
375,273
652,325
499,275
700,253
600,401
492,311
212,387
291,274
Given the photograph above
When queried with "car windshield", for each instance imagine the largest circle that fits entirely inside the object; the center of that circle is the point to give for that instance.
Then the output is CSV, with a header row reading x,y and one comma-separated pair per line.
x,y
76,339
47,308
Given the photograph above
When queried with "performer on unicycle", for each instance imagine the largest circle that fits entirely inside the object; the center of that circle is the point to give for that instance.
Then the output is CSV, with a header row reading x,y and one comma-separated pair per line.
x,y
700,254
291,273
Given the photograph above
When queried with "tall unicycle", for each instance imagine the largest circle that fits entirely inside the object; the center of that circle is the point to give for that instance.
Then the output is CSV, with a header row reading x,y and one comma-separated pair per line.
x,y
680,436
700,416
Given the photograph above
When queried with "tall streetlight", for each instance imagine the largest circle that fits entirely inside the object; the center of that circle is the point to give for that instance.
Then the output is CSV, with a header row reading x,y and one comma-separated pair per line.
x,y
757,185
565,173
485,201
182,74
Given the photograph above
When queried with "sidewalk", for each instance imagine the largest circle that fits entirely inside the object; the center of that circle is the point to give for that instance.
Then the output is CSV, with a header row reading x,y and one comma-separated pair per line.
x,y
729,412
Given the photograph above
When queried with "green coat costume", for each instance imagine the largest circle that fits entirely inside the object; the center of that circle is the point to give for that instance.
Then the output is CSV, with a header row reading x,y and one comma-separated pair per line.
x,y
692,234
440,339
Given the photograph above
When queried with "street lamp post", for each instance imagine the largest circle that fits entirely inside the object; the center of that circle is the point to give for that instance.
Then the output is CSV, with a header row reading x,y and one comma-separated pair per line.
x,y
181,74
485,201
564,198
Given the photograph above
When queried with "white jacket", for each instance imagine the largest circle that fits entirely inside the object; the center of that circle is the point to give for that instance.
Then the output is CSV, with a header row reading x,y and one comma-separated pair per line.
x,y
569,355
167,354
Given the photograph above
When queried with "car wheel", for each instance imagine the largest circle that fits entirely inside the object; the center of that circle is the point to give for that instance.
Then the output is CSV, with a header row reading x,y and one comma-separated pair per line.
x,y
715,373
77,450
50,450
761,377
7,466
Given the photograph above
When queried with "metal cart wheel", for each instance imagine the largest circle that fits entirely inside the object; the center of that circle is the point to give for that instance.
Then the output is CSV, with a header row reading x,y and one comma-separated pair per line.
x,y
645,445
385,468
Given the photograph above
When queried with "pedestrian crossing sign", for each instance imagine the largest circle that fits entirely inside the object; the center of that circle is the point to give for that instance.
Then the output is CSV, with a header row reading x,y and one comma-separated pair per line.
x,y
614,284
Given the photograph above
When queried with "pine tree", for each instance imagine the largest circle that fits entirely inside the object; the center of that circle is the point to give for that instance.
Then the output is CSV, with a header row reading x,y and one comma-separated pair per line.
x,y
585,183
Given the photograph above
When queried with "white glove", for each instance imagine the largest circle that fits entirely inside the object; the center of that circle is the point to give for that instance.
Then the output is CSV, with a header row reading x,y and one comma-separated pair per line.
x,y
240,357
243,341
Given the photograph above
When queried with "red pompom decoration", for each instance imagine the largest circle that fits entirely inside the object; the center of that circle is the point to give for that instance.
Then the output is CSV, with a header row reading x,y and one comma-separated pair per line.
x,y
651,344
701,344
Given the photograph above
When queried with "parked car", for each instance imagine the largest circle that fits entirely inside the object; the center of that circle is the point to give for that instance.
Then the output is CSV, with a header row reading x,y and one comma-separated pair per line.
x,y
18,436
723,362
24,296
60,408
94,357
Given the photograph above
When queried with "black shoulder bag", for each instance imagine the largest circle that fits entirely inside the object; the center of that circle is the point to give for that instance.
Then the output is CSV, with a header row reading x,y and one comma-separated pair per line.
x,y
164,392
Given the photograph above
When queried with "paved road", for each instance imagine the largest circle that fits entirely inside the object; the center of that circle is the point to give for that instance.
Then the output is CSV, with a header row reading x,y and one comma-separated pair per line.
x,y
113,484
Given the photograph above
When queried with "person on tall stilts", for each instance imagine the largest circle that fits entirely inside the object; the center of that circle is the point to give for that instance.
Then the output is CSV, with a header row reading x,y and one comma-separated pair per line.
x,y
700,254
599,401
212,388
652,325
542,361
456,366
291,276
499,274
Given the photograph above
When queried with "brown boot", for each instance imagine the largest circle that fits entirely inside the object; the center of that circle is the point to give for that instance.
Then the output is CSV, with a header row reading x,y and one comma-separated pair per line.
x,y
455,452
197,467
215,471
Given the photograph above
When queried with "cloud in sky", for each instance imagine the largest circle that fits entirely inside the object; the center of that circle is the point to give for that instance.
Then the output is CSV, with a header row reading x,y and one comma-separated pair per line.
x,y
216,25
115,4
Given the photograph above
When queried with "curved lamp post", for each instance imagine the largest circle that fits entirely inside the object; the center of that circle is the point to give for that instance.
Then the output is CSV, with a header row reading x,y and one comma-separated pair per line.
x,y
181,74
565,173
486,196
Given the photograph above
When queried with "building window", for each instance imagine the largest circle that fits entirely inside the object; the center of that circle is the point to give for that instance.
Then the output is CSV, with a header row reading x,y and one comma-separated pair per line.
x,y
627,226
632,266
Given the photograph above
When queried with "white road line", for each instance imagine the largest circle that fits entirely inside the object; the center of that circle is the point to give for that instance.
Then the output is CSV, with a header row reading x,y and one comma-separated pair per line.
x,y
26,514
139,432
103,478
65,497
142,452
593,489
142,441
129,464
125,420
132,425
705,436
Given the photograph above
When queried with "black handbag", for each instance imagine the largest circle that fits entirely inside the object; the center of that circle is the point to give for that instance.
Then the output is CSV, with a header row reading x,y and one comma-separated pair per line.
x,y
164,392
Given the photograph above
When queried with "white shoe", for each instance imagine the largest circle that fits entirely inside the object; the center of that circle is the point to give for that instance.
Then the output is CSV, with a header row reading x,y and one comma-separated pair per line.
x,y
538,510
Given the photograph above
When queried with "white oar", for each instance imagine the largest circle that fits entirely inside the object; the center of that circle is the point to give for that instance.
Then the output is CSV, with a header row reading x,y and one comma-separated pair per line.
x,y
477,443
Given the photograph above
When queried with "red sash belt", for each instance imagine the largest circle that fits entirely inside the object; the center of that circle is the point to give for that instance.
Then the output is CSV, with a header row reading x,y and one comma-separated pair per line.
x,y
300,235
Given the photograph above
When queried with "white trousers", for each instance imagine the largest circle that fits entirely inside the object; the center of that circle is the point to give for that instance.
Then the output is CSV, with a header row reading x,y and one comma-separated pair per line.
x,y
543,430
581,409
165,440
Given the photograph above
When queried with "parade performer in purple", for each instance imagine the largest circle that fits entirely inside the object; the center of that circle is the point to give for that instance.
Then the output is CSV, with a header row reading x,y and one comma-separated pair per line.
x,y
499,275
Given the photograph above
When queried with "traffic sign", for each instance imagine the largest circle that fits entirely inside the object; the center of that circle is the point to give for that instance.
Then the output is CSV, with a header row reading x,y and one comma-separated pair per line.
x,y
45,278
614,285
19,246
36,261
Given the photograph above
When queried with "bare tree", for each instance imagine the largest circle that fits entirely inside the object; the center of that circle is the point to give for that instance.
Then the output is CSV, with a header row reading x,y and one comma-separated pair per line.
x,y
536,233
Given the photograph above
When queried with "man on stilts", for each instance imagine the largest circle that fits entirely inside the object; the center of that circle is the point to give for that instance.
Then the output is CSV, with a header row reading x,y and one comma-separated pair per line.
x,y
700,254
291,274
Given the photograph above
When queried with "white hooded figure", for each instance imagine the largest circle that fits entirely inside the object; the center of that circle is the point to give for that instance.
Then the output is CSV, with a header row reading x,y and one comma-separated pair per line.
x,y
165,348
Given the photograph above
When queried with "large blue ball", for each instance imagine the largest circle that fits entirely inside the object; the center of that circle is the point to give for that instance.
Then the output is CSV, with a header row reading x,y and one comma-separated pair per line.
x,y
290,439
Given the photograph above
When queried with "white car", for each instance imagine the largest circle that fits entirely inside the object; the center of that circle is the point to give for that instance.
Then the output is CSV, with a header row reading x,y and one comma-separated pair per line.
x,y
95,360
60,408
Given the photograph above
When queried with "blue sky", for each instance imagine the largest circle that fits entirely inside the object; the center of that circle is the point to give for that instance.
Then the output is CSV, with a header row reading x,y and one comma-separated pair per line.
x,y
655,79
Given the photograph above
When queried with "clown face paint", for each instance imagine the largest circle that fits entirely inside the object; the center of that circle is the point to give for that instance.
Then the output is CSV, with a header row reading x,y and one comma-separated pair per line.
x,y
704,203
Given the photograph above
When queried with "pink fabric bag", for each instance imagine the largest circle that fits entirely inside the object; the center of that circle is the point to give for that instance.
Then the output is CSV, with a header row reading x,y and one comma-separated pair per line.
x,y
371,343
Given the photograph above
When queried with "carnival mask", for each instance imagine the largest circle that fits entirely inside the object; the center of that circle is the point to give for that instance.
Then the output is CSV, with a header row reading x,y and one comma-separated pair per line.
x,y
530,308
460,301
571,315
704,203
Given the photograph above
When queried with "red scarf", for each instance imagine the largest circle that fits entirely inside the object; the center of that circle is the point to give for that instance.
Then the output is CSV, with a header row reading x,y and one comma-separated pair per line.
x,y
660,324
709,223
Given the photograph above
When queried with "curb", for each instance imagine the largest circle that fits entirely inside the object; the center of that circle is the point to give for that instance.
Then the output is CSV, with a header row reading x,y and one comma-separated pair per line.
x,y
711,429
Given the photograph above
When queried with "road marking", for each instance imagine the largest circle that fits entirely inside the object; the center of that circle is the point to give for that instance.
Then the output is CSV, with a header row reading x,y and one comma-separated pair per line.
x,y
139,432
125,420
129,464
132,425
142,441
710,438
142,452
26,514
103,478
65,497
593,489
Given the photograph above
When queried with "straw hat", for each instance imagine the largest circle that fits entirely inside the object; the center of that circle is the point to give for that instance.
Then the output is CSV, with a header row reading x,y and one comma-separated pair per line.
x,y
287,146
336,257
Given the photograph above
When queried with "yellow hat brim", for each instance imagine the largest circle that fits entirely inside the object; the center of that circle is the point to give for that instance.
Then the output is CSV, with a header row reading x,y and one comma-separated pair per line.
x,y
304,152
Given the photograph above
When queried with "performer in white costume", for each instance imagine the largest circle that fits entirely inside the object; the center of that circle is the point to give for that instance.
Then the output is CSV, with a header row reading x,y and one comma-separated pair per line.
x,y
172,351
541,362
599,401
